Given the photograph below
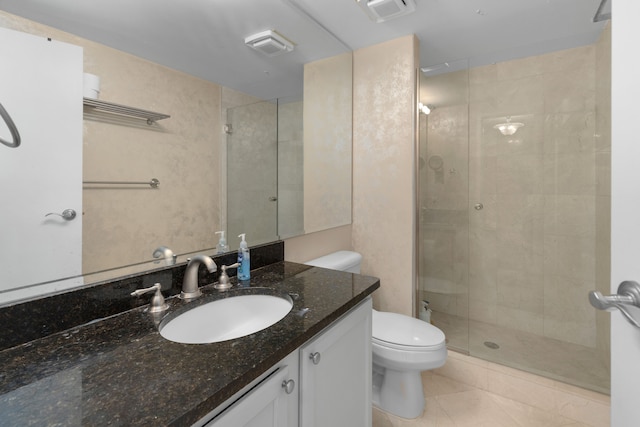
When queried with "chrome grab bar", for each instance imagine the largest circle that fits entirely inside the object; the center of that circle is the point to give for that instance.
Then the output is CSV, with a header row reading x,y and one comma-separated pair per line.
x,y
15,135
628,295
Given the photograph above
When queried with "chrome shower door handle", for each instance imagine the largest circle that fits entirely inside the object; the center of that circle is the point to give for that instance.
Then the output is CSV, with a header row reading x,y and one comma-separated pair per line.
x,y
15,135
628,296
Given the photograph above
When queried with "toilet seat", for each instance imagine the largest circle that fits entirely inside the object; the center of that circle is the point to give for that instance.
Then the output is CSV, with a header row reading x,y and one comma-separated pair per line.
x,y
407,348
401,332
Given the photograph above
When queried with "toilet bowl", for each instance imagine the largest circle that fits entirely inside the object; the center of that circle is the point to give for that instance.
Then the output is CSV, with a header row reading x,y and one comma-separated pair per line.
x,y
402,348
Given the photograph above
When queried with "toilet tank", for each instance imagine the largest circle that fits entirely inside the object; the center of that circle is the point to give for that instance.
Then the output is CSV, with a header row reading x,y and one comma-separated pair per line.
x,y
342,260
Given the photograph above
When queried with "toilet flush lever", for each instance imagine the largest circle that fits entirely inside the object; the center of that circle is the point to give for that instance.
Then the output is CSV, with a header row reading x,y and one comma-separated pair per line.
x,y
626,300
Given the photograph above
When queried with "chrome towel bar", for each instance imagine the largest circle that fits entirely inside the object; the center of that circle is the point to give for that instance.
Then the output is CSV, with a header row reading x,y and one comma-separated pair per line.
x,y
111,107
154,183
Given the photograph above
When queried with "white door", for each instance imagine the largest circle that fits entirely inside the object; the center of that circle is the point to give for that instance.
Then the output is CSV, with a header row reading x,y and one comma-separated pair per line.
x,y
625,209
41,90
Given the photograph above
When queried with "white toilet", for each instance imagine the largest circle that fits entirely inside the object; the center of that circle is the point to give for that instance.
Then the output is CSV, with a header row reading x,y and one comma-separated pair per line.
x,y
402,348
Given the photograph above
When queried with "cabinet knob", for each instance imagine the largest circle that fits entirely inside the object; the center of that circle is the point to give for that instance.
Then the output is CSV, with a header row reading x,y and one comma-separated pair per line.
x,y
315,357
288,386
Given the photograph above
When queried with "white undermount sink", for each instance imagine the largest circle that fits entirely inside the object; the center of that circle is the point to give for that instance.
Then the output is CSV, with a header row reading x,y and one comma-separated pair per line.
x,y
226,319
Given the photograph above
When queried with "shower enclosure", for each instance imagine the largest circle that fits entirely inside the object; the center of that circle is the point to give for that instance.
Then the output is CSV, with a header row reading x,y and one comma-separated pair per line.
x,y
513,192
264,170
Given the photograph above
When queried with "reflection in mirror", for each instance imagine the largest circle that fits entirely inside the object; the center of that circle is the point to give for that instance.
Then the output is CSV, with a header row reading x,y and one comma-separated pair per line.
x,y
251,132
290,167
122,226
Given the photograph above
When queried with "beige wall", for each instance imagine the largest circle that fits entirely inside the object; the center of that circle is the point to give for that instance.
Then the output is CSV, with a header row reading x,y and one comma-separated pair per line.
x,y
309,246
383,176
125,225
384,108
327,142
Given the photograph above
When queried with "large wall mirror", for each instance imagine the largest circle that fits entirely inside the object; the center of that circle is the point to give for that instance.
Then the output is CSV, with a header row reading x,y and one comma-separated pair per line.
x,y
288,165
225,161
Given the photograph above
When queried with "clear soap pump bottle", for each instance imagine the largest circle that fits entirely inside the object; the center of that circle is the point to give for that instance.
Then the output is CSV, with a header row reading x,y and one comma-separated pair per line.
x,y
222,246
244,271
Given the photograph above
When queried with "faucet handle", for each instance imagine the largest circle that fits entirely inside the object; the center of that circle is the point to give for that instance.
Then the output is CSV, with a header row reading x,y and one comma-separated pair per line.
x,y
157,301
223,280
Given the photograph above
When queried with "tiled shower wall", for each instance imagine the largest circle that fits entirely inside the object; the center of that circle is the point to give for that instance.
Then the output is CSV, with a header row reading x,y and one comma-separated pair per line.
x,y
529,254
532,253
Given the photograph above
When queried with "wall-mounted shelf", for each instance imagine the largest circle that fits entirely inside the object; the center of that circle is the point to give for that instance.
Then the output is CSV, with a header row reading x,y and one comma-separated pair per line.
x,y
123,110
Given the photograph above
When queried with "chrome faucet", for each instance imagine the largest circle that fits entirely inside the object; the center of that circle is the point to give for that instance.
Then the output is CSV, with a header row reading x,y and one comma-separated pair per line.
x,y
163,252
190,288
166,253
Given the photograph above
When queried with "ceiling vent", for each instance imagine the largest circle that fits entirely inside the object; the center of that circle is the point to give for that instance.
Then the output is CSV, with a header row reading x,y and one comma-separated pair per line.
x,y
269,42
384,10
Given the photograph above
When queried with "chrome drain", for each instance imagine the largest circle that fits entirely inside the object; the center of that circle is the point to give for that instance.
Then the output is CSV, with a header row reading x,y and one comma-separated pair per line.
x,y
491,345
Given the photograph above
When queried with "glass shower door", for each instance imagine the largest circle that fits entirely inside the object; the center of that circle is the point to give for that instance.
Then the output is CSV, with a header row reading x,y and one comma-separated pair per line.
x,y
443,186
514,197
252,173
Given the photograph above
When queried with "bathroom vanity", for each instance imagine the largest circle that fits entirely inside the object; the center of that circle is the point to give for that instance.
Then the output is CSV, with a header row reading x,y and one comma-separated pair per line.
x,y
314,363
326,382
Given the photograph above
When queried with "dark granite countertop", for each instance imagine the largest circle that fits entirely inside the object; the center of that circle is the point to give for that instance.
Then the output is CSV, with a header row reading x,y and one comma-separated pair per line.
x,y
119,371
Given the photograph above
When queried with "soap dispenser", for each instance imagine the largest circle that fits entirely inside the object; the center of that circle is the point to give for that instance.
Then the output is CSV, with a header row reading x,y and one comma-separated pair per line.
x,y
222,246
244,271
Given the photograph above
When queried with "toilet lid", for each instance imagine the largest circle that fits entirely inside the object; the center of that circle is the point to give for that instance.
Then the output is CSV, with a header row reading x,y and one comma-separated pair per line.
x,y
397,329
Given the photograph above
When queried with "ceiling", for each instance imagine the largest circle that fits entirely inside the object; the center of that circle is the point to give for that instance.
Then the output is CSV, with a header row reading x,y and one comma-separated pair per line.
x,y
205,38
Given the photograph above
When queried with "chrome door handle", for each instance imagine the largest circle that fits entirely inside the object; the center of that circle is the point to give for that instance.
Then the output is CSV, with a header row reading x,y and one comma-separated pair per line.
x,y
628,295
67,214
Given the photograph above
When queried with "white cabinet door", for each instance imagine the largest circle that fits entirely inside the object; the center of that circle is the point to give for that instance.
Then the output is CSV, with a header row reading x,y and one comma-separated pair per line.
x,y
271,403
41,89
335,373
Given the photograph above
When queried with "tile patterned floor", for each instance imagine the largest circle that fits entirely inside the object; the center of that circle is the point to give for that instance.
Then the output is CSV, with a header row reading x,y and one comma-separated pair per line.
x,y
452,403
